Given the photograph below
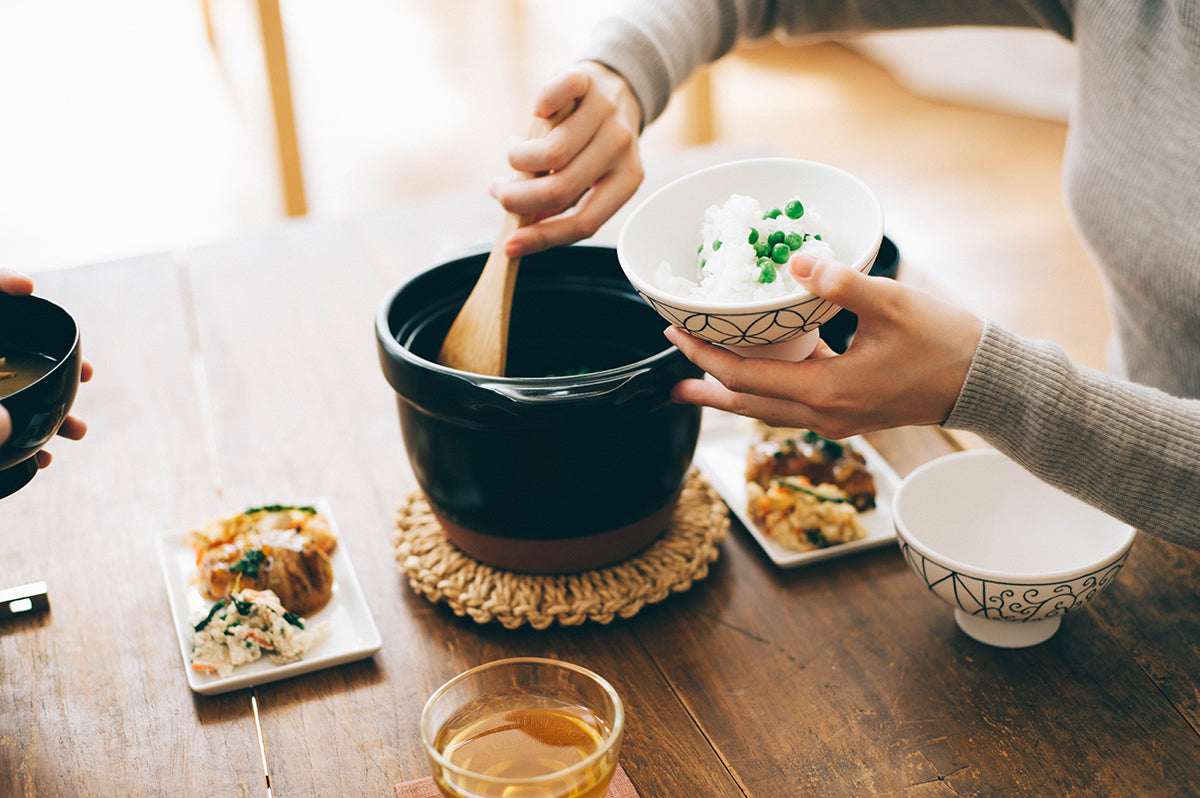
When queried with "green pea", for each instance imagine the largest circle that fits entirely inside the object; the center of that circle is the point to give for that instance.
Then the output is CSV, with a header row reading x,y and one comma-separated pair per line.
x,y
703,262
780,253
817,236
761,249
766,273
773,214
775,238
794,240
794,209
716,245
753,235
699,249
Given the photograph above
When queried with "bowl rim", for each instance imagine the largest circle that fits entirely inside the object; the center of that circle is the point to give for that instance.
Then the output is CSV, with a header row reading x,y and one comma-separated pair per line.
x,y
950,563
615,735
643,286
60,362
386,339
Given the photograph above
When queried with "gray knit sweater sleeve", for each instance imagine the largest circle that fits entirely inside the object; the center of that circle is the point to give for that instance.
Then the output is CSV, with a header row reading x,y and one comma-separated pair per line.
x,y
1130,450
656,44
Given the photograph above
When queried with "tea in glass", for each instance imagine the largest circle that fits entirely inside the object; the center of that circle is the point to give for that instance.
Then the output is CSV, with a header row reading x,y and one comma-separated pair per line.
x,y
524,728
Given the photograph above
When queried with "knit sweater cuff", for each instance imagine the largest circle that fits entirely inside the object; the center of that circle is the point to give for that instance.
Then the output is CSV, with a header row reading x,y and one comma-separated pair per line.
x,y
656,46
990,394
1128,449
631,53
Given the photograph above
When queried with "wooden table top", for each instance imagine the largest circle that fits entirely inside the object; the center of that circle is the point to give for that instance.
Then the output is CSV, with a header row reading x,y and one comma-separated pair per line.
x,y
245,372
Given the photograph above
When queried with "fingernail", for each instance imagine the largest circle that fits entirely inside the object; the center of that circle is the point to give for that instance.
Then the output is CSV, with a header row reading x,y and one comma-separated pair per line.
x,y
802,267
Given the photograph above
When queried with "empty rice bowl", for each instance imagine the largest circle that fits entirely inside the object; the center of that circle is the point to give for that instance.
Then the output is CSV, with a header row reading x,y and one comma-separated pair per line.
x,y
744,252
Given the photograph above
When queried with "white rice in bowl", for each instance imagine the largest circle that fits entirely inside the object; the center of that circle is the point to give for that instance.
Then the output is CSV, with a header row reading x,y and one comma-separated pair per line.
x,y
739,259
247,627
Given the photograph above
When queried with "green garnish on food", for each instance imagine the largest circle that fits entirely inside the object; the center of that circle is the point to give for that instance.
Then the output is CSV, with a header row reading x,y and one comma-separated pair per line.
x,y
832,449
208,618
766,273
716,245
772,214
794,209
753,235
249,564
811,491
244,607
294,620
278,508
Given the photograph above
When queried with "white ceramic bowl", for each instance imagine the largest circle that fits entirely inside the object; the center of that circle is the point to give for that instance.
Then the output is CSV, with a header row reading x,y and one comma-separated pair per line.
x,y
666,227
1010,553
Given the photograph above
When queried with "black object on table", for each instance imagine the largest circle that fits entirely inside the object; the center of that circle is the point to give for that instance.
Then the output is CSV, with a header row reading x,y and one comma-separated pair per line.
x,y
838,331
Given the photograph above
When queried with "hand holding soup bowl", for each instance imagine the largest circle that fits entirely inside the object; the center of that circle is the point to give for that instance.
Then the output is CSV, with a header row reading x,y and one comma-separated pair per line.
x,y
40,370
666,228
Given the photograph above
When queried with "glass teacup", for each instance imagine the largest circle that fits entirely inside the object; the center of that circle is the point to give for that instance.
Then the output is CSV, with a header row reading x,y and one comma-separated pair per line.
x,y
523,728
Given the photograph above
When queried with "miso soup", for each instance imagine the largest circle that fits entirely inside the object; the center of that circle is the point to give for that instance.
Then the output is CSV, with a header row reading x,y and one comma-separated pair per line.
x,y
19,369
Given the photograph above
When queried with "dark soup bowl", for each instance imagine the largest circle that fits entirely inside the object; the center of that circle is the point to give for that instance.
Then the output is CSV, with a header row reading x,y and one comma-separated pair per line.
x,y
575,459
39,375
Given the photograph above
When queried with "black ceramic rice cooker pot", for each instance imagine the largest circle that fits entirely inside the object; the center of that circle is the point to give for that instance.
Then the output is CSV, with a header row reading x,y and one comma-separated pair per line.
x,y
575,458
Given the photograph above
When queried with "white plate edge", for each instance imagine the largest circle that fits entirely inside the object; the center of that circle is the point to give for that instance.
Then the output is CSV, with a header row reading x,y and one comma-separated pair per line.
x,y
265,673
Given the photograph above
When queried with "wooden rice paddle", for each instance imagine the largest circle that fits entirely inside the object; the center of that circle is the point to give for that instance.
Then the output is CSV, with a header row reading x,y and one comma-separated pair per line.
x,y
478,338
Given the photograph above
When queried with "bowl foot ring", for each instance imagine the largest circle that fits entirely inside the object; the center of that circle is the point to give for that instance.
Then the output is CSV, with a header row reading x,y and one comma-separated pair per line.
x,y
1006,634
442,573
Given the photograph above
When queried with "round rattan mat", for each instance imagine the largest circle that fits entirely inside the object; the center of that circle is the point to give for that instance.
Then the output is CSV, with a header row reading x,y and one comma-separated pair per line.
x,y
442,573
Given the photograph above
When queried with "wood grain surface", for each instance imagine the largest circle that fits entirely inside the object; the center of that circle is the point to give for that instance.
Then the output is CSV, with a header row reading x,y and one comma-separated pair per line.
x,y
245,372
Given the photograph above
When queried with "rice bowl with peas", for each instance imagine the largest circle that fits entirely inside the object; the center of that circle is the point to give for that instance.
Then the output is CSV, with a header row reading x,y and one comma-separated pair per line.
x,y
838,207
744,250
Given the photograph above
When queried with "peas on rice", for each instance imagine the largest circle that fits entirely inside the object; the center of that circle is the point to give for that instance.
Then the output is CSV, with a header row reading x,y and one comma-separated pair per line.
x,y
741,251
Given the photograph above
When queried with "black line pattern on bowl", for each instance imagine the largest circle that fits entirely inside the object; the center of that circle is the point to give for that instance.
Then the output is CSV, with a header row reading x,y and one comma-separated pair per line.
x,y
748,329
1003,601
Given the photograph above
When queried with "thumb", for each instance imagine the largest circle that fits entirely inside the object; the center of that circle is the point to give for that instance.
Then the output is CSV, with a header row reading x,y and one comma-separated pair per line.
x,y
15,283
832,280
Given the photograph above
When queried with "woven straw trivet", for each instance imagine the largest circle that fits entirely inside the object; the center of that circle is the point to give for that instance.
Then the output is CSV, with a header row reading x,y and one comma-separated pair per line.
x,y
441,572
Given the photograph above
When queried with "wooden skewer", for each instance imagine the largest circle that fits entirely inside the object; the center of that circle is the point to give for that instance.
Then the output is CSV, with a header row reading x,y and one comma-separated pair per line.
x,y
478,339
262,746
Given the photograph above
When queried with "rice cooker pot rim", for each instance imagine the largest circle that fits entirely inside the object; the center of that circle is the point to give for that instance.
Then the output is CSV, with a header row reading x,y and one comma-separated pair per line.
x,y
414,377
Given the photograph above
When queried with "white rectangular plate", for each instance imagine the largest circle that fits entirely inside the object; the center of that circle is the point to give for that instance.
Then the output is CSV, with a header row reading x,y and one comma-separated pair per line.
x,y
352,631
721,456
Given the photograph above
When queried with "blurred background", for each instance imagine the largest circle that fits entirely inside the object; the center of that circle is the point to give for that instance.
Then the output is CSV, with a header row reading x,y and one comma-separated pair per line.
x,y
132,126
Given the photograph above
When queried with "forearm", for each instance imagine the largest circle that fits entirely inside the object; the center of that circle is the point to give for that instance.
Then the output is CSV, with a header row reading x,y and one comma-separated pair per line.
x,y
656,44
1130,450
